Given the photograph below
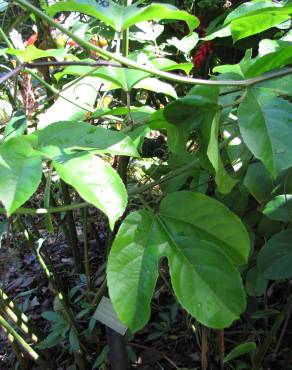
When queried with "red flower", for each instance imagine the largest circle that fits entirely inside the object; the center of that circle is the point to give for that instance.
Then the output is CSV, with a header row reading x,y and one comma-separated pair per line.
x,y
32,39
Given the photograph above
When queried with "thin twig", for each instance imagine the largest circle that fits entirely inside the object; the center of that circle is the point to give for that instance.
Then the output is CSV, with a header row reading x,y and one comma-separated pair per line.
x,y
66,63
11,74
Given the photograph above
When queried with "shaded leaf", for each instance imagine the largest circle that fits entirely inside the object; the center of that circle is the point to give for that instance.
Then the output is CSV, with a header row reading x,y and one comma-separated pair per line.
x,y
256,282
275,258
16,126
239,350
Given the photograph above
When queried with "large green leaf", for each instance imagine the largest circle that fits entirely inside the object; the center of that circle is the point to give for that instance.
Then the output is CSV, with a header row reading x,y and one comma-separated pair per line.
x,y
20,173
205,281
281,86
265,123
96,182
211,220
258,20
120,17
203,277
248,7
107,11
83,136
75,103
275,258
132,267
279,208
155,11
268,62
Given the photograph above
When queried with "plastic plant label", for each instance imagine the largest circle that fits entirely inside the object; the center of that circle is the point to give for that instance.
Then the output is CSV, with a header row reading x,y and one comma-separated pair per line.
x,y
106,315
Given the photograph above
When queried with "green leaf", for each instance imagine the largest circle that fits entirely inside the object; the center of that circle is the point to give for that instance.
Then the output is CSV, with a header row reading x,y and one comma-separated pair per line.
x,y
20,173
223,32
16,126
31,53
132,268
111,14
259,182
248,7
186,44
203,276
239,350
239,68
267,132
280,86
256,283
127,79
176,134
155,11
153,84
83,136
96,182
275,258
121,18
211,220
75,103
205,282
73,340
51,340
210,131
279,208
183,115
259,21
52,316
271,61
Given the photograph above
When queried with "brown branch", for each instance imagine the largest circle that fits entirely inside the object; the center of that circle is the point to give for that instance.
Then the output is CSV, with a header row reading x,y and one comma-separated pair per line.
x,y
11,74
53,63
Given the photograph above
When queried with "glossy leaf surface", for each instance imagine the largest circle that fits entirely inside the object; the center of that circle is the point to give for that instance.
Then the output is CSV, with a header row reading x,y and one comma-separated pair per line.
x,y
200,268
96,182
211,220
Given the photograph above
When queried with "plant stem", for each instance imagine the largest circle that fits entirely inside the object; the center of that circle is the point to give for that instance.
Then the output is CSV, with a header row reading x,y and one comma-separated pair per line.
x,y
153,71
43,211
259,357
85,248
72,228
27,348
117,345
48,219
5,38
